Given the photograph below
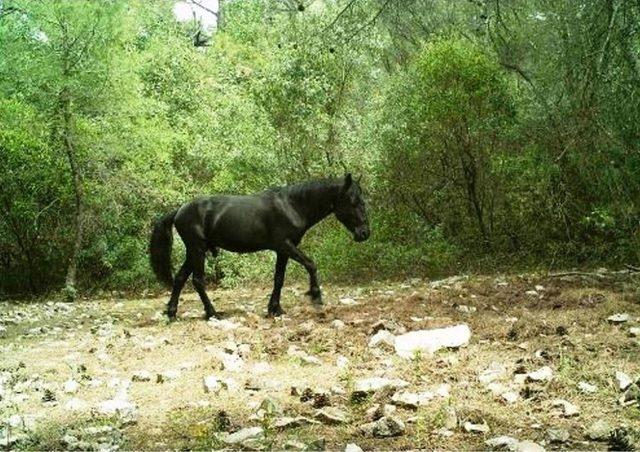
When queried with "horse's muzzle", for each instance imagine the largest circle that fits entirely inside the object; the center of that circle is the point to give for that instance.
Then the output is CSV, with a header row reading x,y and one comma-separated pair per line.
x,y
361,234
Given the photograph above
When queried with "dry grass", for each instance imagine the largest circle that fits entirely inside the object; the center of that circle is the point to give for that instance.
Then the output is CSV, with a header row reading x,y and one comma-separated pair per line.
x,y
568,324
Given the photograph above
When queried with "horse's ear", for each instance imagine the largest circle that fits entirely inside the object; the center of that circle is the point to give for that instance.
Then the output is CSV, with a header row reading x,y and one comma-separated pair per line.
x,y
348,180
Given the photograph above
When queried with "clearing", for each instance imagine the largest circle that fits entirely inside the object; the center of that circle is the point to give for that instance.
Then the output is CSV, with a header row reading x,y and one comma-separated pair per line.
x,y
66,369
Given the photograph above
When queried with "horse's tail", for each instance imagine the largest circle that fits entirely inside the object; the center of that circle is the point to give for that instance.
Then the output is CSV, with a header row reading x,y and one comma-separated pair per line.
x,y
160,248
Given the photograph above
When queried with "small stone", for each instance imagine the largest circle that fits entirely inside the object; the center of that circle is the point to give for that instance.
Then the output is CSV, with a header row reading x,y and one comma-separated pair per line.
x,y
243,435
631,395
383,338
476,428
528,446
539,288
338,324
212,384
502,442
567,409
531,293
373,384
384,427
510,396
618,318
599,430
495,371
310,360
71,386
543,374
623,380
141,376
634,331
331,415
121,407
432,340
284,423
342,362
348,301
377,411
231,362
168,375
352,447
294,445
75,405
224,325
587,388
558,435
450,418
412,399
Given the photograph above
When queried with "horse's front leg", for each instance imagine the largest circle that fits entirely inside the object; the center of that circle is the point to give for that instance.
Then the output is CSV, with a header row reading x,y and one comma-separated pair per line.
x,y
274,309
314,285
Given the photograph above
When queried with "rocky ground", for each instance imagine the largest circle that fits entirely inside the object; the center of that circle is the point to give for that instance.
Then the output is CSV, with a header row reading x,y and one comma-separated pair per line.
x,y
527,362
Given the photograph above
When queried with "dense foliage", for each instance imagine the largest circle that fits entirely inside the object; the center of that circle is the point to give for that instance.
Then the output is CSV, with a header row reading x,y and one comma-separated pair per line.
x,y
488,133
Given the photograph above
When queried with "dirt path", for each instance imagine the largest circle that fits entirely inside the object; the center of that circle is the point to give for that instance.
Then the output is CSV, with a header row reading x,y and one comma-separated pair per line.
x,y
265,372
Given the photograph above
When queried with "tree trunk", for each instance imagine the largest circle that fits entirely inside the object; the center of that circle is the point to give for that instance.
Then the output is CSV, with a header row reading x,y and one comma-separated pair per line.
x,y
70,281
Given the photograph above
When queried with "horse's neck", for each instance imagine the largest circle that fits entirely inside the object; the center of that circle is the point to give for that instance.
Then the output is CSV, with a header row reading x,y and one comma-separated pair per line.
x,y
316,203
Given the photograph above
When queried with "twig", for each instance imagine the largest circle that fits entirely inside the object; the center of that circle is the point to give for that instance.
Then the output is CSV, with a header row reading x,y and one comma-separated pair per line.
x,y
577,273
369,23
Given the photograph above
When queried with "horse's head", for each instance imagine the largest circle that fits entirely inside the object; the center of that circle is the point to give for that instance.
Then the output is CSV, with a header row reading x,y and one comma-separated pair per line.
x,y
350,209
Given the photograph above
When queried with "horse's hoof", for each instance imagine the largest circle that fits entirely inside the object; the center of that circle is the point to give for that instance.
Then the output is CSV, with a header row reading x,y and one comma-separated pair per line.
x,y
212,315
275,313
316,301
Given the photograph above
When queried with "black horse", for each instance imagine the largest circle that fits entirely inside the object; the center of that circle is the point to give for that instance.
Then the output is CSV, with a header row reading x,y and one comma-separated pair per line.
x,y
274,219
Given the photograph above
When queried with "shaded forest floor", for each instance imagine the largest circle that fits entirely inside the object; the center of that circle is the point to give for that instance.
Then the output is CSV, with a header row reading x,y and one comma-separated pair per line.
x,y
60,362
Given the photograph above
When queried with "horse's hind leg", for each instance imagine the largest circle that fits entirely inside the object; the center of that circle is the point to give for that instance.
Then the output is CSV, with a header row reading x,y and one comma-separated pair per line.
x,y
178,284
197,258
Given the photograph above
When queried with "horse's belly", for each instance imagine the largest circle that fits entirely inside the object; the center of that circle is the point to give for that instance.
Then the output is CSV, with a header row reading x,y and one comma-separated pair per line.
x,y
240,233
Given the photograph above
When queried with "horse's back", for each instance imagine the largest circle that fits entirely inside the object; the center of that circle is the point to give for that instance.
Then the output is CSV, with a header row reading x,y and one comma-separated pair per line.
x,y
233,222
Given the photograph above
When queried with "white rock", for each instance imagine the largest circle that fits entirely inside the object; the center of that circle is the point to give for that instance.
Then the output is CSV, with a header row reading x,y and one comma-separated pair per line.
x,y
567,409
476,428
167,375
262,368
623,380
212,384
231,363
373,384
352,447
311,360
70,386
447,282
502,442
495,371
510,396
342,362
539,288
243,435
118,406
224,324
141,375
75,405
634,331
531,293
430,341
412,399
338,324
383,338
331,415
543,374
528,446
618,318
587,388
348,301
